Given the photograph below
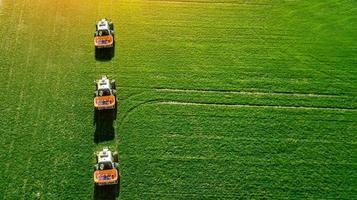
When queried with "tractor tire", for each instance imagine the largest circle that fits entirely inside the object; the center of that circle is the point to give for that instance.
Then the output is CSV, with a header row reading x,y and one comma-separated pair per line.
x,y
96,53
111,26
94,117
114,114
117,188
115,109
116,157
111,52
113,85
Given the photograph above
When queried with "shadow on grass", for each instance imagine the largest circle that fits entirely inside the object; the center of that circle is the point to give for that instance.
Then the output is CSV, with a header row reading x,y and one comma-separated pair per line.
x,y
104,130
105,54
108,192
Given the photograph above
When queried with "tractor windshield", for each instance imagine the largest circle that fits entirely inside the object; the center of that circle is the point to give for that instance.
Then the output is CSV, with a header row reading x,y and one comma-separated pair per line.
x,y
104,92
105,165
102,32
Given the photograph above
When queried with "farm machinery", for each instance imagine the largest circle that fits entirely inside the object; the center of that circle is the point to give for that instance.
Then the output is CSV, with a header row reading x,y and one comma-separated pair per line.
x,y
104,42
105,98
106,169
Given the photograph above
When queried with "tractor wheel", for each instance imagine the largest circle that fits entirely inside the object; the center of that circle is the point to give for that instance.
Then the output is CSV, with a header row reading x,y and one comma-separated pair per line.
x,y
96,53
117,188
115,112
94,117
111,52
113,84
111,26
116,157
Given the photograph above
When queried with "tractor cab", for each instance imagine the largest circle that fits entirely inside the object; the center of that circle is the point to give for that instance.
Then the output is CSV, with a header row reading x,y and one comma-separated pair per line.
x,y
103,24
104,29
105,156
104,87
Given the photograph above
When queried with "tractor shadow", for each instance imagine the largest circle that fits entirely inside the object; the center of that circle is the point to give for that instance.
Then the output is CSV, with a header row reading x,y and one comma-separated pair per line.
x,y
104,54
108,192
104,129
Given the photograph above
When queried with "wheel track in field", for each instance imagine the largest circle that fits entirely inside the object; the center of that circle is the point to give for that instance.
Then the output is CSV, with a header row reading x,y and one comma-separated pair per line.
x,y
254,91
248,92
28,164
16,21
39,110
163,101
242,92
179,102
255,139
264,161
17,114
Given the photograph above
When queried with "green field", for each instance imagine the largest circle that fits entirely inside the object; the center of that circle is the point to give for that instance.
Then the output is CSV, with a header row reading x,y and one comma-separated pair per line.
x,y
218,99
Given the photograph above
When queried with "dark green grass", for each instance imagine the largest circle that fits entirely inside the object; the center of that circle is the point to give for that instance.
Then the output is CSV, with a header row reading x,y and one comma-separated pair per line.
x,y
218,99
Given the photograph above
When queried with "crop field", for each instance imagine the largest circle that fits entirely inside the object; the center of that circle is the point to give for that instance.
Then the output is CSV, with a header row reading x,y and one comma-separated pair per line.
x,y
218,99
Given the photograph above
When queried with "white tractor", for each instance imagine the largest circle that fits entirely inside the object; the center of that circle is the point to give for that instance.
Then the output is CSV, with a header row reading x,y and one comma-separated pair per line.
x,y
105,97
106,169
104,38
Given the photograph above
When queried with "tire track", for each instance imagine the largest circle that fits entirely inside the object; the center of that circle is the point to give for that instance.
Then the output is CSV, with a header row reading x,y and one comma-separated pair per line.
x,y
159,101
164,102
234,91
39,110
262,162
248,92
17,115
292,140
19,20
28,60
133,108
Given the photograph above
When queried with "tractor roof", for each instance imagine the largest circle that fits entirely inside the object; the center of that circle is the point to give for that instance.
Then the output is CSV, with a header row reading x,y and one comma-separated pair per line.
x,y
103,24
103,83
105,156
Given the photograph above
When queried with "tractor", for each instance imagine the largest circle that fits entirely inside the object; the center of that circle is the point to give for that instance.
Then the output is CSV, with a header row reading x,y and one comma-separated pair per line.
x,y
104,42
105,99
106,169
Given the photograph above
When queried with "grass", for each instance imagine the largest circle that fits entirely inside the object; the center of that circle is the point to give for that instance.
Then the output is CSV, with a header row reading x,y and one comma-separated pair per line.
x,y
218,99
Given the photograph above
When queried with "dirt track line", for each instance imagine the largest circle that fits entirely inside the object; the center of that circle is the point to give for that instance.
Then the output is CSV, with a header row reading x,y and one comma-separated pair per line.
x,y
6,170
248,92
160,89
263,162
259,139
25,180
126,113
17,115
253,106
131,109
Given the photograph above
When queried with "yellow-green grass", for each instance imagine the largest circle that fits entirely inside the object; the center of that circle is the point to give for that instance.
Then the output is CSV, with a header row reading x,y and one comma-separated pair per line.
x,y
219,99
